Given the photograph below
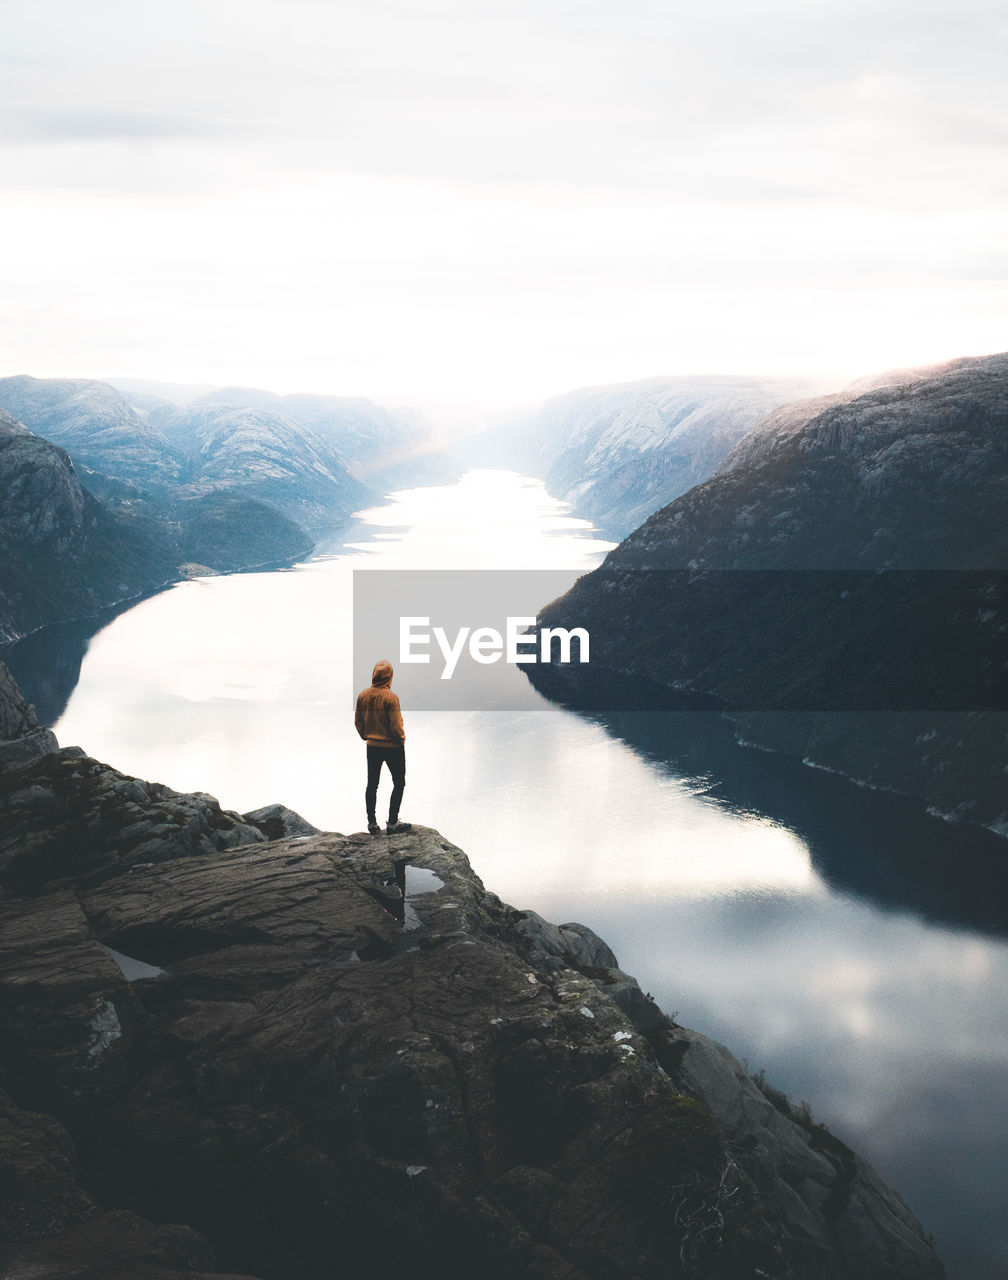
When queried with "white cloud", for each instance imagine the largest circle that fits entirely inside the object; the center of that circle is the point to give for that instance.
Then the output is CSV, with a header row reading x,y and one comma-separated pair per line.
x,y
500,198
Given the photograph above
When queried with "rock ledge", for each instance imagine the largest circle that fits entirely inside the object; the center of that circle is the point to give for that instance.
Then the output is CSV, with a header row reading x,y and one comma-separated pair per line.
x,y
340,1055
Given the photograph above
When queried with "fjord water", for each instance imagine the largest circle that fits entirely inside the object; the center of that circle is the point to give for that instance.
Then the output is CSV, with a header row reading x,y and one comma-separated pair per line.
x,y
842,941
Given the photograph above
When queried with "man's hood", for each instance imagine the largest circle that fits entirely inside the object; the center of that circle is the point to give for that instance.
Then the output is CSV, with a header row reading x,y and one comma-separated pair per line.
x,y
382,674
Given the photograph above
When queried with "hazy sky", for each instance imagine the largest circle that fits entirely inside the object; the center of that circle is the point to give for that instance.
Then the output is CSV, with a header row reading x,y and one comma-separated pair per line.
x,y
499,199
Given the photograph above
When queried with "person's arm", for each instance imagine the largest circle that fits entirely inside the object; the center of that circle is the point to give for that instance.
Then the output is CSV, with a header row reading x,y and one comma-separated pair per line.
x,y
359,717
395,720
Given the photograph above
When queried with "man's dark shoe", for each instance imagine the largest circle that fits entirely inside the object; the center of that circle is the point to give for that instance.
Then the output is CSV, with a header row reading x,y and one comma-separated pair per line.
x,y
395,828
374,828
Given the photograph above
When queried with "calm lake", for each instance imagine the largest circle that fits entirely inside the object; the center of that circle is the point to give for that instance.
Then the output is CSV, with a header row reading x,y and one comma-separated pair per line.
x,y
840,940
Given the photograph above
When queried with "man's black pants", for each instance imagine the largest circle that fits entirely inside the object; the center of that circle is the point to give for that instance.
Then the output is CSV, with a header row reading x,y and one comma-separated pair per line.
x,y
395,758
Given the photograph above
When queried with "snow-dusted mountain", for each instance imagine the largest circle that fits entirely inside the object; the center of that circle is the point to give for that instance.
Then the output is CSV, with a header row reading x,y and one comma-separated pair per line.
x,y
265,455
315,458
74,541
382,448
619,453
95,424
209,446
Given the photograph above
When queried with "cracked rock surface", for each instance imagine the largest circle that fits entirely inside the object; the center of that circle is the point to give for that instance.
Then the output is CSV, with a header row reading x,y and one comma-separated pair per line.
x,y
325,1056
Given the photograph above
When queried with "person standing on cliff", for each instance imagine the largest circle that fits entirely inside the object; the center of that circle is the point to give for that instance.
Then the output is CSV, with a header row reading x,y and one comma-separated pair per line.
x,y
378,720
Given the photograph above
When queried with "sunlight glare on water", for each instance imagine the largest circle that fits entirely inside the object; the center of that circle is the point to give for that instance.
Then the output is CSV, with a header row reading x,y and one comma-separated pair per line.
x,y
239,686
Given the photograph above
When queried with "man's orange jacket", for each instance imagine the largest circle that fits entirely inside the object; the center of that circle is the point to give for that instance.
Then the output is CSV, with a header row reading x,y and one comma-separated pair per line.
x,y
378,717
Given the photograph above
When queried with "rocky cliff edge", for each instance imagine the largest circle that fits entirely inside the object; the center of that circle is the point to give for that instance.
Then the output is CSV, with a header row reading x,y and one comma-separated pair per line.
x,y
321,1055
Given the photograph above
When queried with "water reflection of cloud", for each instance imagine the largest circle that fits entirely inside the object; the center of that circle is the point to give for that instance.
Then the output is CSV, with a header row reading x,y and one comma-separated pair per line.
x,y
219,680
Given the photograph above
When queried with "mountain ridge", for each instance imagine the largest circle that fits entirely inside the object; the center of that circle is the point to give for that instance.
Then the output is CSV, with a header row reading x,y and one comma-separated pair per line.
x,y
377,445
72,545
63,554
619,452
163,491
93,423
909,479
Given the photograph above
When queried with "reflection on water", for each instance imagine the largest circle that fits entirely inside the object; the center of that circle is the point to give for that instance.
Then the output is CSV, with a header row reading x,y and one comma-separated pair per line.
x,y
412,883
839,939
882,847
47,664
